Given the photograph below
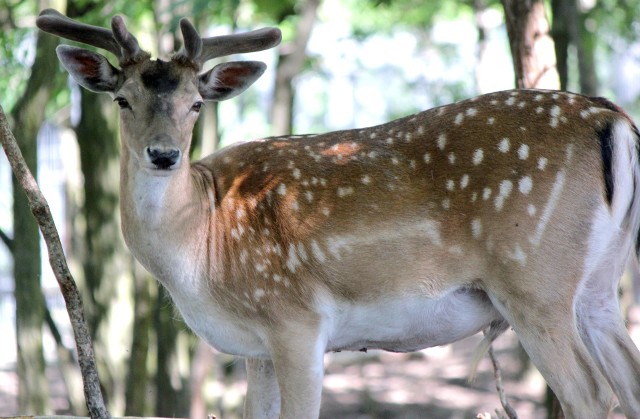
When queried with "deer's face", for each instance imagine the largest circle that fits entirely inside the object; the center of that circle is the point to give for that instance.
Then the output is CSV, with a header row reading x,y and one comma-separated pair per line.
x,y
159,105
159,100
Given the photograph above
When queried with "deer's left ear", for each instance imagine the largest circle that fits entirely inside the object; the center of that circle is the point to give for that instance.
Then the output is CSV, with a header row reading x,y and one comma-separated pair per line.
x,y
89,69
227,80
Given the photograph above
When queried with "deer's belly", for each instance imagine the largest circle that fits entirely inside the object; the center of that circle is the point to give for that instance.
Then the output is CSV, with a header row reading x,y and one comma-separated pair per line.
x,y
409,324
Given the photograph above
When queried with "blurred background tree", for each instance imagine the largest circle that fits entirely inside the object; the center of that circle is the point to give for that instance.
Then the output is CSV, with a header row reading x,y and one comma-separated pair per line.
x,y
342,64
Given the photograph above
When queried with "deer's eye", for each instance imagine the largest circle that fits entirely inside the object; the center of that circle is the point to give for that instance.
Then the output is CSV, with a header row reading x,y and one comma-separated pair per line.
x,y
122,102
197,106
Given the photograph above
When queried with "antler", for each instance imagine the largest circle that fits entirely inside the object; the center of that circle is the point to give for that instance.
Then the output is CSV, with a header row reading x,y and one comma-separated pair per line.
x,y
118,41
200,50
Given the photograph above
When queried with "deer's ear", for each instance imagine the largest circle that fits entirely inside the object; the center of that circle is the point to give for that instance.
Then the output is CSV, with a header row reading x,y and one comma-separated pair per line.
x,y
227,80
89,69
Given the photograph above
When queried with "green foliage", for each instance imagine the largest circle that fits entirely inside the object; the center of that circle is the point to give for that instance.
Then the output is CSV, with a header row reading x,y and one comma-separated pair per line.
x,y
16,50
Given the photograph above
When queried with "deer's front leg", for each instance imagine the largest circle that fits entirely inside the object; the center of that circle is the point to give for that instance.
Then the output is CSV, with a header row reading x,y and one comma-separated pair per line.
x,y
298,355
263,395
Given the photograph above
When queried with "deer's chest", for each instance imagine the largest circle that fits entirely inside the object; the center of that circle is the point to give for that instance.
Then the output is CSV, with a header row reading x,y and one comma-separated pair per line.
x,y
219,328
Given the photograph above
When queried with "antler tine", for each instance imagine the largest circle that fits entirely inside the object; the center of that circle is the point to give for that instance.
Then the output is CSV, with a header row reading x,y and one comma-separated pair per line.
x,y
257,40
119,42
200,50
131,52
192,47
56,23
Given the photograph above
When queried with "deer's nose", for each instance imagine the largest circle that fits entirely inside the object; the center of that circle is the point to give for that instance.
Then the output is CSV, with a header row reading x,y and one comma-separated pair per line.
x,y
163,158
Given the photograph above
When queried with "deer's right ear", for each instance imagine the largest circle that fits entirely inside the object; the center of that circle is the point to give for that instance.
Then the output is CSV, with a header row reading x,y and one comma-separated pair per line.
x,y
89,69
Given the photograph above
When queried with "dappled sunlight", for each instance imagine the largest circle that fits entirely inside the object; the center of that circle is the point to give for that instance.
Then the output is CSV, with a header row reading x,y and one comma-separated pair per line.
x,y
433,382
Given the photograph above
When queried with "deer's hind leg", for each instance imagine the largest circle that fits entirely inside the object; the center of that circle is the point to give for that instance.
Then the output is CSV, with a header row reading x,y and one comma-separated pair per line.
x,y
603,331
545,324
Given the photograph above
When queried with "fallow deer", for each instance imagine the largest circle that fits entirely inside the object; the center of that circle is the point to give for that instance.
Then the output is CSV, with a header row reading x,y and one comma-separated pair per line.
x,y
514,209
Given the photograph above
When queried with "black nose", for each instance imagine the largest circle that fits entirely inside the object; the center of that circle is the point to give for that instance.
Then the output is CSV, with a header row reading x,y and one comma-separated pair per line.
x,y
163,158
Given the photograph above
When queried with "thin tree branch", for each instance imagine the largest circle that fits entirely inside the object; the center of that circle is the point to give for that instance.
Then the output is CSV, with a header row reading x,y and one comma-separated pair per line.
x,y
8,241
509,410
40,209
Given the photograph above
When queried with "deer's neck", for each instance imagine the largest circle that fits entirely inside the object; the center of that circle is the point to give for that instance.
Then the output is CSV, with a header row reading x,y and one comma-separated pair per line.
x,y
164,221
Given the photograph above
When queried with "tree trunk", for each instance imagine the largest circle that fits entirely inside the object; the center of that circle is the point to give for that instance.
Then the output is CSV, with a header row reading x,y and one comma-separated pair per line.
x,y
531,46
569,29
290,63
171,383
136,392
563,25
28,115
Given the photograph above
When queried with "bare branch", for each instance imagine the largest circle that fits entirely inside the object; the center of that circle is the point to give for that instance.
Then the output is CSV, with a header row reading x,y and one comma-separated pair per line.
x,y
8,241
40,209
509,410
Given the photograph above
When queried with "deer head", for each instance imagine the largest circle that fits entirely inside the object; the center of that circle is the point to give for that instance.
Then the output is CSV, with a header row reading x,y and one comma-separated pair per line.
x,y
159,100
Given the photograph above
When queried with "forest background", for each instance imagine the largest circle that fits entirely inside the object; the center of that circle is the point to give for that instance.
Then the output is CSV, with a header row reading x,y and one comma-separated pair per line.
x,y
342,64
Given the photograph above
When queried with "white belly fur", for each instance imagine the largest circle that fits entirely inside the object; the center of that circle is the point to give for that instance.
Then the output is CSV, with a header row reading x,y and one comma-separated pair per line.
x,y
410,323
401,324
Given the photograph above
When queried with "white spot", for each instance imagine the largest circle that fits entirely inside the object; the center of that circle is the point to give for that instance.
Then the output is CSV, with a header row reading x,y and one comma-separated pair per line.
x,y
282,189
296,173
486,193
539,109
442,141
412,164
240,213
518,255
446,203
549,207
317,252
336,245
293,262
372,154
476,228
389,140
510,101
366,179
456,250
464,181
302,252
525,184
472,112
531,210
295,206
394,160
478,156
459,119
506,186
452,158
258,294
523,152
326,211
426,158
474,197
344,191
555,113
226,159
277,277
542,163
538,98
451,185
521,105
309,196
373,135
504,145
491,120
